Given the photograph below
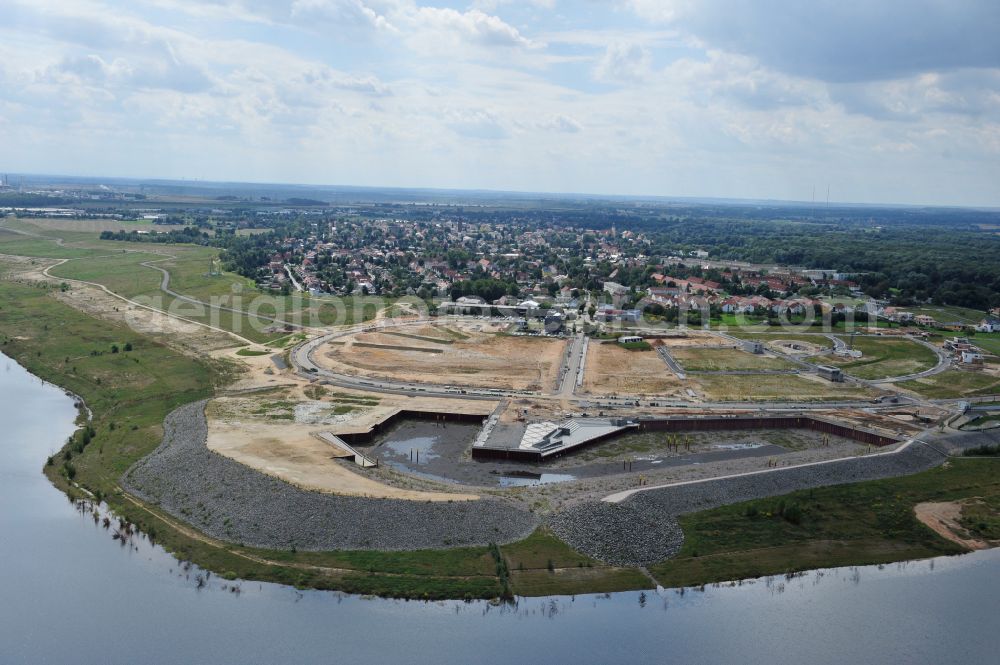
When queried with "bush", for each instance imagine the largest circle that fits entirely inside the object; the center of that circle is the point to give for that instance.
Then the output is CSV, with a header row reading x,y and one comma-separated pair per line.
x,y
793,514
984,450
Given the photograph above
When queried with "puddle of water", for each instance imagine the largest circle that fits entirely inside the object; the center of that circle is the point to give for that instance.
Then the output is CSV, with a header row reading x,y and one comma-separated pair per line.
x,y
738,446
418,444
534,479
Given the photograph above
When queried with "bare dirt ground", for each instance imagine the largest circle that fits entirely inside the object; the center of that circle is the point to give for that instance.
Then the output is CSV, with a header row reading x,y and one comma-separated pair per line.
x,y
902,424
25,268
943,518
613,369
482,360
693,339
387,339
290,450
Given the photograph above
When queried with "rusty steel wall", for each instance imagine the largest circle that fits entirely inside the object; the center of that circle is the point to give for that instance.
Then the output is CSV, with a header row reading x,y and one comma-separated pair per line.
x,y
361,438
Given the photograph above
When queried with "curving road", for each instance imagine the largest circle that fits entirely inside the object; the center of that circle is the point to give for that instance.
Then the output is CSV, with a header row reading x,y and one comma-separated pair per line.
x,y
302,359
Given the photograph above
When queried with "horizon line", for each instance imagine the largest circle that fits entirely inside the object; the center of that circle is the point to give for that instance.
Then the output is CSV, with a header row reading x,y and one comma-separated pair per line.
x,y
664,198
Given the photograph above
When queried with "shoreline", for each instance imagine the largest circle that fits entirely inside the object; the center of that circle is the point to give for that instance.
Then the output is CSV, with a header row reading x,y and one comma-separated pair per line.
x,y
413,574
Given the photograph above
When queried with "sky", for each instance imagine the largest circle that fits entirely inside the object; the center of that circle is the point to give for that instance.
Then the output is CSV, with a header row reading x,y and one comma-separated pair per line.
x,y
883,101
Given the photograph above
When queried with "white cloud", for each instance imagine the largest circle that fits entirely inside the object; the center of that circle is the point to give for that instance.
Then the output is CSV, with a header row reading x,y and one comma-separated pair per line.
x,y
447,31
840,41
561,123
338,13
624,63
393,92
477,123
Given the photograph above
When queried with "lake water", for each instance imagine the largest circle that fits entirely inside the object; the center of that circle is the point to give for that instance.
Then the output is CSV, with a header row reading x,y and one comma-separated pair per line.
x,y
71,594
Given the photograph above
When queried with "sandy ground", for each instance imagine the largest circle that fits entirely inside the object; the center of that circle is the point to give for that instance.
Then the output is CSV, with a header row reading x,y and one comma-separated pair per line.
x,y
291,452
483,360
25,268
612,369
943,519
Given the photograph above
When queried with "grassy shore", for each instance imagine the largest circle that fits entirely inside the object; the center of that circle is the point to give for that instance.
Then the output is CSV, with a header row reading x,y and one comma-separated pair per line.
x,y
862,523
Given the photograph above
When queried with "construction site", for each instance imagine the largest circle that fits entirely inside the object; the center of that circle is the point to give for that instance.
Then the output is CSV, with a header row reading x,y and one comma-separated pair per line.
x,y
458,409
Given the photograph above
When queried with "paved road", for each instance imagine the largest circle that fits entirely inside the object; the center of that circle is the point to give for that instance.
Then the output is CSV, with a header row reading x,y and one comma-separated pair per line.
x,y
295,282
165,287
574,359
671,362
141,305
943,363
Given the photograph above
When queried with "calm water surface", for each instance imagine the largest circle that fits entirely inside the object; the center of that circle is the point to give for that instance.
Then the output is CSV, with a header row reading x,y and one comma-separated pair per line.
x,y
71,594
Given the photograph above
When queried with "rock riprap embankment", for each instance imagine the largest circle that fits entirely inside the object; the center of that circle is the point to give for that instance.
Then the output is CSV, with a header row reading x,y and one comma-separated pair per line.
x,y
643,529
233,502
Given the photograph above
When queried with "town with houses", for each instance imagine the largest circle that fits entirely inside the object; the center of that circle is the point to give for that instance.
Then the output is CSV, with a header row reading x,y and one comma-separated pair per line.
x,y
567,278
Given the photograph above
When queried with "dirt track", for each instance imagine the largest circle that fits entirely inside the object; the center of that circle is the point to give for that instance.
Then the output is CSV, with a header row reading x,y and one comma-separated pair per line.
x,y
943,518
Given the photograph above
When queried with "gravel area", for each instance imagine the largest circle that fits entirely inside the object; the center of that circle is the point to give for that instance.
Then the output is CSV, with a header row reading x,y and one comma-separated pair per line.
x,y
232,502
622,534
643,528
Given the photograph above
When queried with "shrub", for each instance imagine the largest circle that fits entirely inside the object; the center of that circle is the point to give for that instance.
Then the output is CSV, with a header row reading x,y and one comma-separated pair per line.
x,y
793,514
984,450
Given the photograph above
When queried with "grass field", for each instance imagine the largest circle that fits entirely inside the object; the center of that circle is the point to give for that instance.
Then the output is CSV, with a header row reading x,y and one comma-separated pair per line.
x,y
776,387
94,225
988,342
737,320
885,357
955,383
817,340
117,265
15,243
132,391
714,360
862,523
947,314
124,274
